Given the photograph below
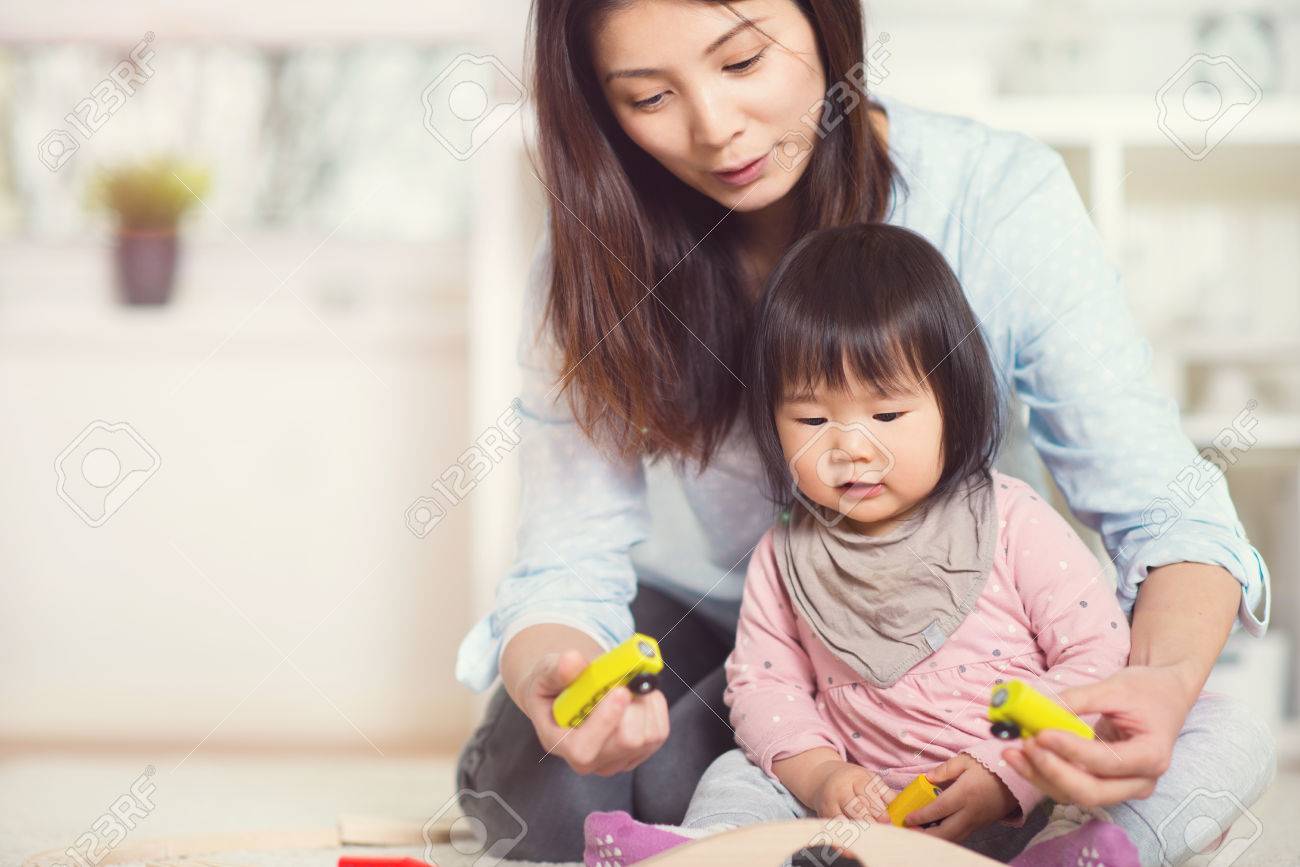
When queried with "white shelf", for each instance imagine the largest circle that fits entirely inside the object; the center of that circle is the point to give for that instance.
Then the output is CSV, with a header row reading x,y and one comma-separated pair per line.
x,y
1209,350
283,22
1083,121
1274,431
58,299
1288,743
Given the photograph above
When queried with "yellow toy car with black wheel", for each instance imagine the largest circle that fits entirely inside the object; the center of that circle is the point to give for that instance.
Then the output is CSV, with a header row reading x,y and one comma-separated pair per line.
x,y
635,663
914,796
1017,710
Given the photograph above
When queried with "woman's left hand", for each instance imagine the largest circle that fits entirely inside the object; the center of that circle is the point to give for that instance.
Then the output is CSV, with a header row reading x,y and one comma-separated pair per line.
x,y
1143,709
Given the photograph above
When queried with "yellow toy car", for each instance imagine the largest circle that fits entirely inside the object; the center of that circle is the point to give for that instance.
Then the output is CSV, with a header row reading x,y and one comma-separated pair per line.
x,y
1017,710
914,796
635,663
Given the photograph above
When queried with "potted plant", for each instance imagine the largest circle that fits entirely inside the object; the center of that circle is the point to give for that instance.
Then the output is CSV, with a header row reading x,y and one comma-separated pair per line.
x,y
148,200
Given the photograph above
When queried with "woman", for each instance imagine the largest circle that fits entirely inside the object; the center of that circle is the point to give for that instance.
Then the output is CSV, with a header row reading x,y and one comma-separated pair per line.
x,y
686,144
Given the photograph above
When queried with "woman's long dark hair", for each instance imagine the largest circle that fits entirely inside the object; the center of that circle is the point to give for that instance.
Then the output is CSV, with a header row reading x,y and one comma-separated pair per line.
x,y
641,373
882,302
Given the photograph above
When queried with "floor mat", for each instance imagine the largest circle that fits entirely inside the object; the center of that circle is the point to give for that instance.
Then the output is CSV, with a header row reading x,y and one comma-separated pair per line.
x,y
48,800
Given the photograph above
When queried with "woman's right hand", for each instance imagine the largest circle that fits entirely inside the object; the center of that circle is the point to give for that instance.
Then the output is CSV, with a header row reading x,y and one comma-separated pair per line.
x,y
620,733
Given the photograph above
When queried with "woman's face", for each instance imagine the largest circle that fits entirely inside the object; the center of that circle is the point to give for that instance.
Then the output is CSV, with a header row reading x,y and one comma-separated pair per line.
x,y
703,91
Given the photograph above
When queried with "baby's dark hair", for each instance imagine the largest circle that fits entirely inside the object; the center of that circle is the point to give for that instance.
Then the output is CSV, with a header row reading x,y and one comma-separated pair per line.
x,y
883,301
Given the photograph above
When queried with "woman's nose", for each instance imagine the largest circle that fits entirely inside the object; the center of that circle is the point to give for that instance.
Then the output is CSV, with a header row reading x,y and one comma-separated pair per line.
x,y
717,121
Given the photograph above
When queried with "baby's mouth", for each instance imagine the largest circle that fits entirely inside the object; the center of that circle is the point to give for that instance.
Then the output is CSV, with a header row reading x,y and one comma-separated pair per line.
x,y
862,487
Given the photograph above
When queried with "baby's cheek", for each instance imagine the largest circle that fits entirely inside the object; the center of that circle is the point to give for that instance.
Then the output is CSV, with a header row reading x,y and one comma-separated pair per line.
x,y
914,465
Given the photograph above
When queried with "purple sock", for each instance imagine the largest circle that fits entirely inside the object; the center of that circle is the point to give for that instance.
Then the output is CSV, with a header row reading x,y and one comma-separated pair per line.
x,y
1096,844
616,839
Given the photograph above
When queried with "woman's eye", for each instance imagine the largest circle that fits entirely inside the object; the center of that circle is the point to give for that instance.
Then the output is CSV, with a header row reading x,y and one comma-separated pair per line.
x,y
886,416
653,102
746,64
814,421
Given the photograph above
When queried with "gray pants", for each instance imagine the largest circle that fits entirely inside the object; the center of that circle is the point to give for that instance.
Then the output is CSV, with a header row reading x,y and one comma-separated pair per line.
x,y
1222,762
506,780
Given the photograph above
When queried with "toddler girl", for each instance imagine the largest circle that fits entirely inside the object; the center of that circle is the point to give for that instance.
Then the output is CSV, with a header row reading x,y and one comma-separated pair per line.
x,y
904,579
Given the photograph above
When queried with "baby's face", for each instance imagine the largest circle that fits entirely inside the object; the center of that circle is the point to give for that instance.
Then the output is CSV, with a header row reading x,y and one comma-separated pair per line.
x,y
869,456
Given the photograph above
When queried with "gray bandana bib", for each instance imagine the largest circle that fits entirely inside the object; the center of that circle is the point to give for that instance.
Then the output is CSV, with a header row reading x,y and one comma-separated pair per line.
x,y
883,603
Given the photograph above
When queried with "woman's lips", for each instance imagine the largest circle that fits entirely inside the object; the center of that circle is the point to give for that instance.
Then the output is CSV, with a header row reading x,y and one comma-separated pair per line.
x,y
745,174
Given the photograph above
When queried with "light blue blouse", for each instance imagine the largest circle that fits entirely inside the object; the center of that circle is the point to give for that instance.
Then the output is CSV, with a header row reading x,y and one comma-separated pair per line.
x,y
1004,211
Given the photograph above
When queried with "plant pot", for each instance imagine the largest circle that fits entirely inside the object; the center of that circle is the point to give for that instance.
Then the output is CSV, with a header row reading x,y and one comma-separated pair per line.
x,y
146,265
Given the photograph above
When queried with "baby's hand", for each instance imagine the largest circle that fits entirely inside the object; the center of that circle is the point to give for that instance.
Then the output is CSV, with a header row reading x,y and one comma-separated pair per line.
x,y
973,798
852,792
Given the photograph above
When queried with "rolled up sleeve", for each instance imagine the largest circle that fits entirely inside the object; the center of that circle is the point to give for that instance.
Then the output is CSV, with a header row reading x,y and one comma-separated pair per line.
x,y
1111,440
580,514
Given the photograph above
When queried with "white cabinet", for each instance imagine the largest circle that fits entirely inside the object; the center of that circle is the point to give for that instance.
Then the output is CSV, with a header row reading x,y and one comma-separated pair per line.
x,y
291,438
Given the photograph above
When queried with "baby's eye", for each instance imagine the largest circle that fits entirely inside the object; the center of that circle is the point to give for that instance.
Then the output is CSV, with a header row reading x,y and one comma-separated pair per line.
x,y
814,421
886,416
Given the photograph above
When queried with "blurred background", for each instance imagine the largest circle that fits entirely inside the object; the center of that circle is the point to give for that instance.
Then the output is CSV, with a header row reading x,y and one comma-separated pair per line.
x,y
260,274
